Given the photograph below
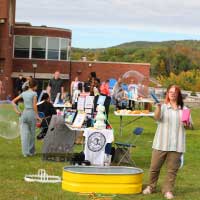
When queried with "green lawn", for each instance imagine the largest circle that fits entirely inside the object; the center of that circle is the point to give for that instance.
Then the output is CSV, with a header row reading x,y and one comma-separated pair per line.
x,y
13,166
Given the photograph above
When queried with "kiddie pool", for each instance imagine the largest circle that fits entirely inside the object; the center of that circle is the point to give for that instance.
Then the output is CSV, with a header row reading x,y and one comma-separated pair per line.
x,y
107,180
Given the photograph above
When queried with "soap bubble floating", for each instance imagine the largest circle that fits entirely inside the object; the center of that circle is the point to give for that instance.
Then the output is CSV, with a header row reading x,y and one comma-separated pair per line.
x,y
9,121
135,77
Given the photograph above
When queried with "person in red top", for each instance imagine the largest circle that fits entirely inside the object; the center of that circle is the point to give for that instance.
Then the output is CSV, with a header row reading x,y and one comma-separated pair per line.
x,y
104,89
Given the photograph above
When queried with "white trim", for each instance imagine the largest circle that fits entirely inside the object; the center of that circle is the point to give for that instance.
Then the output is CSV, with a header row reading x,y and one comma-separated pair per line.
x,y
30,47
14,46
41,59
98,62
39,75
68,48
47,45
59,49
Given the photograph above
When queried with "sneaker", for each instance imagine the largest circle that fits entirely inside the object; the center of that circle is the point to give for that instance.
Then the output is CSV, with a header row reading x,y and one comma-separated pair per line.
x,y
168,195
147,190
32,154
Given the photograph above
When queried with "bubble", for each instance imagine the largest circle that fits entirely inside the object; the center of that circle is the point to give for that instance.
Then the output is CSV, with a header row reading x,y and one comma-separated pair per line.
x,y
135,77
9,121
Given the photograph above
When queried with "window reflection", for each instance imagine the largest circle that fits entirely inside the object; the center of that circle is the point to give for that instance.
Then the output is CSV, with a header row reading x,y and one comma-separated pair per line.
x,y
22,44
53,48
63,49
38,47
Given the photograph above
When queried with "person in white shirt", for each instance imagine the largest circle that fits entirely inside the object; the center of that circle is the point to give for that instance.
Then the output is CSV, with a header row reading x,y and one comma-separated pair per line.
x,y
74,86
169,142
76,94
132,94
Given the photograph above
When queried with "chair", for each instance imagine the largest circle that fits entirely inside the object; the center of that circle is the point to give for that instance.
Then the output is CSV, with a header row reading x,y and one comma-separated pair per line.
x,y
125,149
44,119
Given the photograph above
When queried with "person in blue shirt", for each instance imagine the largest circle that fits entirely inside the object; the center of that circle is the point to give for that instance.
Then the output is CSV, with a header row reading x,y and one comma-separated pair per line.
x,y
28,118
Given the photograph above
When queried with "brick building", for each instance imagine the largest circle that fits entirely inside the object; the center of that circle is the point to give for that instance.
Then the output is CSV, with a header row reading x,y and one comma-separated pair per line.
x,y
39,51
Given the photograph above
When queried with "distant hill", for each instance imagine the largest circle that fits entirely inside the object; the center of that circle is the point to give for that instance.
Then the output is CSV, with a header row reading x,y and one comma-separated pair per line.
x,y
145,44
165,57
142,44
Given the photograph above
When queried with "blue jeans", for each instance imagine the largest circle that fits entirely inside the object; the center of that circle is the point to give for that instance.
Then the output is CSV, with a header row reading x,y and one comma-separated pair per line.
x,y
28,125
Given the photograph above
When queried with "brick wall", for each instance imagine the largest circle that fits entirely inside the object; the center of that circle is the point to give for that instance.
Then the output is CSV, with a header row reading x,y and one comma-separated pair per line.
x,y
42,31
6,44
43,66
104,70
3,9
107,70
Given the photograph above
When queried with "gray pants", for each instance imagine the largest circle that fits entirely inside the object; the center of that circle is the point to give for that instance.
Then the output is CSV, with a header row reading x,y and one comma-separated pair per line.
x,y
28,125
172,160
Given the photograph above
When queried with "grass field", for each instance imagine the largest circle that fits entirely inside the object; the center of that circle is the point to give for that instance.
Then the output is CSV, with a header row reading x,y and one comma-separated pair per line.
x,y
13,166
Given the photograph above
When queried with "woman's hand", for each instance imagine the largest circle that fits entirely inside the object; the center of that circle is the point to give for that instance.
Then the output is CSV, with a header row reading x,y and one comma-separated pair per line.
x,y
39,119
157,112
62,96
158,106
19,114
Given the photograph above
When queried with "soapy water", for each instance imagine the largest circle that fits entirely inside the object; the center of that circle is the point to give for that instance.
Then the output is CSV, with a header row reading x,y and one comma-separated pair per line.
x,y
9,121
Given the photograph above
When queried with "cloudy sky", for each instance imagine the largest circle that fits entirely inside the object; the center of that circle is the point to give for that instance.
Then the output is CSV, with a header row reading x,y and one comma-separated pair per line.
x,y
105,23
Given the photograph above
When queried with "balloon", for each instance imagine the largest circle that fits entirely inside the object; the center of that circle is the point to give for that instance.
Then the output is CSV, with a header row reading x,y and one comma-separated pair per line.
x,y
9,121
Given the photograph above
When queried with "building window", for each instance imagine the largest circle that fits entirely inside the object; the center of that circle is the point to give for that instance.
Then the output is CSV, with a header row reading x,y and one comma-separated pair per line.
x,y
63,49
41,47
22,46
38,47
53,48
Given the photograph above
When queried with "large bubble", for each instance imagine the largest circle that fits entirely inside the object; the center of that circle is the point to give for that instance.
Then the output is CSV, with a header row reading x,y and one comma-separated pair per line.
x,y
9,121
135,77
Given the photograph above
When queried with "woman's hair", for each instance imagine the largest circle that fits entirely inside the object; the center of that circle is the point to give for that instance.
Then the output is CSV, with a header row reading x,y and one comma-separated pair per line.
x,y
33,83
45,97
179,95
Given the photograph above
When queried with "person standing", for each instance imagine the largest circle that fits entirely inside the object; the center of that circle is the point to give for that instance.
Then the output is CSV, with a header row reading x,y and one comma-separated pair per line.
x,y
132,94
1,89
25,85
118,93
104,88
46,107
18,84
169,142
105,91
28,118
87,84
55,86
76,95
74,86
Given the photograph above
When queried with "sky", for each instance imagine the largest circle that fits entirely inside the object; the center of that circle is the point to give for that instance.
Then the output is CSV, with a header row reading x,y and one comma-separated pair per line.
x,y
106,23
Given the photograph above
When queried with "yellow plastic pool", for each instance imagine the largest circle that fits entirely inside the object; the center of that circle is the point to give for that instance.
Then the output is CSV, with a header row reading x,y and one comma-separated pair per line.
x,y
107,180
